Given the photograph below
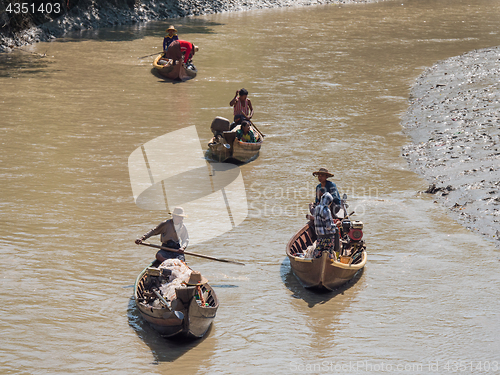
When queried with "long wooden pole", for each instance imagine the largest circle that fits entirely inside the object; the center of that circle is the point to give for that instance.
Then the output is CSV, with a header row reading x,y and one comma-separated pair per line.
x,y
189,253
256,128
157,53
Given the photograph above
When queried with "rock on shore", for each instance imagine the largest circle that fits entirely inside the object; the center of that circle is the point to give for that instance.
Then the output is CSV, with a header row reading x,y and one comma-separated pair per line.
x,y
454,122
92,14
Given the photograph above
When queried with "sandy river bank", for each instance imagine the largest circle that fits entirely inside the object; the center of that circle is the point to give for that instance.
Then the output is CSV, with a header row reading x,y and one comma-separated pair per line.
x,y
454,122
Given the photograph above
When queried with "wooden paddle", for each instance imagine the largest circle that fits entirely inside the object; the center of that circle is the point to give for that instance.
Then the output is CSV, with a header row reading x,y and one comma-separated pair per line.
x,y
157,53
189,253
256,128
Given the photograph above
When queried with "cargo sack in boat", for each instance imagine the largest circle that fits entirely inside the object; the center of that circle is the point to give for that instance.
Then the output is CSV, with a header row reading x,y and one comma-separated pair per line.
x,y
308,253
179,273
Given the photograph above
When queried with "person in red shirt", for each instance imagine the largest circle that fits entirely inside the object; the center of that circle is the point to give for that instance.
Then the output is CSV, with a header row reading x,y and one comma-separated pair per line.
x,y
179,47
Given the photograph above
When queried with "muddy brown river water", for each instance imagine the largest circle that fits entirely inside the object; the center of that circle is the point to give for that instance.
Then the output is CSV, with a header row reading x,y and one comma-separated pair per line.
x,y
329,85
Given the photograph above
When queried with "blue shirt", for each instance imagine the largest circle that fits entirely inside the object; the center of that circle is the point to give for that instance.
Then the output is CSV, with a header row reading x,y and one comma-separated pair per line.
x,y
330,188
167,40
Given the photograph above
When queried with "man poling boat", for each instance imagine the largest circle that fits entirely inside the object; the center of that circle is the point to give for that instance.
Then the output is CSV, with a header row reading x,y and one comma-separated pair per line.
x,y
329,250
174,299
173,234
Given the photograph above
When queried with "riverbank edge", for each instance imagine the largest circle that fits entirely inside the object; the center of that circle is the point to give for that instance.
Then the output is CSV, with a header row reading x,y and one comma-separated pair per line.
x,y
95,14
453,120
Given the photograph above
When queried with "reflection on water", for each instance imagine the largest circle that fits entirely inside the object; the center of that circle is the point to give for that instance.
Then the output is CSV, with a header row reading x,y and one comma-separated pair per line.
x,y
311,296
163,349
328,85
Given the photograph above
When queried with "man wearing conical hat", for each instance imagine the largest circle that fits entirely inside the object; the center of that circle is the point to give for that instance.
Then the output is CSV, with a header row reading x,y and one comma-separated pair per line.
x,y
326,184
170,37
173,234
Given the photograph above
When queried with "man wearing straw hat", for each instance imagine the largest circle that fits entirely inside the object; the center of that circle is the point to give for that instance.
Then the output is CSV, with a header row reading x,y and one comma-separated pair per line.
x,y
170,37
173,234
329,186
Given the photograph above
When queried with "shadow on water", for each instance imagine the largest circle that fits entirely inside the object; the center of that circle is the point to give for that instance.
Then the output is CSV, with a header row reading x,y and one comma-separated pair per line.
x,y
312,296
163,349
210,157
22,62
162,79
156,29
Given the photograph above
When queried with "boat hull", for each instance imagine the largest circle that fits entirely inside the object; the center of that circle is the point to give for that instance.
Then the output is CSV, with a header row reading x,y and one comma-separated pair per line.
x,y
174,72
323,272
185,317
242,152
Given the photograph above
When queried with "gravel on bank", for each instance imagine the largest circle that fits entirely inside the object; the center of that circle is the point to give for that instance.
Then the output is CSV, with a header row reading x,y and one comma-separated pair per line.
x,y
454,123
92,14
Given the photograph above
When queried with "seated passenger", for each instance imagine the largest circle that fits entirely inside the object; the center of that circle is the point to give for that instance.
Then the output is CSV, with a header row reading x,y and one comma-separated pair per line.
x,y
244,134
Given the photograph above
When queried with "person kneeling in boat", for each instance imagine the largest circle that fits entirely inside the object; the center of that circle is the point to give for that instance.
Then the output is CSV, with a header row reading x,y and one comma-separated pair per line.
x,y
244,134
173,234
179,47
324,226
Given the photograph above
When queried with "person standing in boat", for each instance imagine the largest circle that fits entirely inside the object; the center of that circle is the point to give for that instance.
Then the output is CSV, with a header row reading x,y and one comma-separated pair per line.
x,y
244,134
170,37
324,226
179,47
328,185
173,234
242,107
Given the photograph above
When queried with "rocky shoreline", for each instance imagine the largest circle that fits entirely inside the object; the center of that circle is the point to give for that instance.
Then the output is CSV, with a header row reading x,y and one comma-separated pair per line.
x,y
454,123
92,14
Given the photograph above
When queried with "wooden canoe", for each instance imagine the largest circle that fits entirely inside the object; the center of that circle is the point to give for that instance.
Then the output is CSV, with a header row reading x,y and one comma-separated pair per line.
x,y
175,72
185,316
323,272
224,146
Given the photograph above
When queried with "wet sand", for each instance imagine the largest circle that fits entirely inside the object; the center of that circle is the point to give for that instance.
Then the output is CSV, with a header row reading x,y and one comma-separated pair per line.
x,y
454,122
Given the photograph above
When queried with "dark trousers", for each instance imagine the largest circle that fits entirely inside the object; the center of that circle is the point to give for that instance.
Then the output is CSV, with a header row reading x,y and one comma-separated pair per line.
x,y
170,254
237,120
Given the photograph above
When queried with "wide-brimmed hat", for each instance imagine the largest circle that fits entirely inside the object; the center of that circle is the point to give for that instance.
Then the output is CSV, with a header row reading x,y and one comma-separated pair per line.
x,y
323,171
195,48
171,28
178,211
195,279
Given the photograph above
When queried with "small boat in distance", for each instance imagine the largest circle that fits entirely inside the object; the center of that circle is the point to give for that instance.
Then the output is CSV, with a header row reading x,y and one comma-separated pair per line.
x,y
224,145
174,69
325,272
189,314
